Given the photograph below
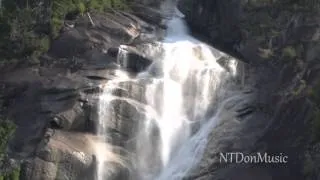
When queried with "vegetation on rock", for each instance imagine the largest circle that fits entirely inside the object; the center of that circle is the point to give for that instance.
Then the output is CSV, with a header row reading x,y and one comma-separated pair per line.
x,y
61,8
22,35
289,52
8,171
314,94
27,27
14,175
7,129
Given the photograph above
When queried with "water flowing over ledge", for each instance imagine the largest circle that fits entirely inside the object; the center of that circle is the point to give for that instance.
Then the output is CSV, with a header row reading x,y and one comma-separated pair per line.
x,y
186,94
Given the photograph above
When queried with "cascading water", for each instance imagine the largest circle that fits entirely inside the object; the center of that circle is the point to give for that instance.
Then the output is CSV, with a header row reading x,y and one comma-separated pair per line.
x,y
186,92
105,111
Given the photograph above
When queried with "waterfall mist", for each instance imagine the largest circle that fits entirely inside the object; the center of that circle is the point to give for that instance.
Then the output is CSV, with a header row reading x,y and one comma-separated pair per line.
x,y
186,94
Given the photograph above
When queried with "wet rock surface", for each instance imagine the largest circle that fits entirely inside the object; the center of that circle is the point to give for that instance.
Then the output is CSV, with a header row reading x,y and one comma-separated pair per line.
x,y
53,105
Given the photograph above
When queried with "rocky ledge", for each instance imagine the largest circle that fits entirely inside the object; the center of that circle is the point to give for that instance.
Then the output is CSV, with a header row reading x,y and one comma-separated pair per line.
x,y
53,104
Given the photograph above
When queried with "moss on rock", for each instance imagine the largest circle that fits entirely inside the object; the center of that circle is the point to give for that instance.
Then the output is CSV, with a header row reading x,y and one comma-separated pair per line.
x,y
289,52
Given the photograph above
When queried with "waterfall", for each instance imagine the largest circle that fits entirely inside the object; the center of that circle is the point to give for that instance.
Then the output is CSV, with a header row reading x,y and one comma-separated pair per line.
x,y
186,93
105,162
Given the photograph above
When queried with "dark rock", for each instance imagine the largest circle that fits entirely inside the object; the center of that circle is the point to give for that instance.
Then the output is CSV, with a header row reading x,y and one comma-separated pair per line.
x,y
55,123
148,14
113,52
217,20
132,60
100,75
282,121
69,44
245,112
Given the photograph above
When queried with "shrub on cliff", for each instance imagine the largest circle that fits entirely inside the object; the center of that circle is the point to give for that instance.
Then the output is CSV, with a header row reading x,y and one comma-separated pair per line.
x,y
22,33
26,27
14,175
61,8
7,128
314,97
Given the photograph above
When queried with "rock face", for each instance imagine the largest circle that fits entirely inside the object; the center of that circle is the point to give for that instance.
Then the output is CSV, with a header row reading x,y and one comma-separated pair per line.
x,y
216,20
61,155
53,104
130,58
278,41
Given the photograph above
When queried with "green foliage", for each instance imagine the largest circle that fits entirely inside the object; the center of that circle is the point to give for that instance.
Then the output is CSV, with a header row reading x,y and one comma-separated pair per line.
x,y
56,24
289,52
60,8
20,21
81,7
6,130
119,4
18,36
102,5
316,125
14,175
44,44
314,94
96,5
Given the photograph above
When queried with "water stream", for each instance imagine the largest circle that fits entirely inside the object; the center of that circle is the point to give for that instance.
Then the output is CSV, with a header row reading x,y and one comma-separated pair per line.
x,y
186,92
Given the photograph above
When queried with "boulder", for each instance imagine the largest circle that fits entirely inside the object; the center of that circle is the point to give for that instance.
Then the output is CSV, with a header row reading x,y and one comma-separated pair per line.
x,y
61,155
130,59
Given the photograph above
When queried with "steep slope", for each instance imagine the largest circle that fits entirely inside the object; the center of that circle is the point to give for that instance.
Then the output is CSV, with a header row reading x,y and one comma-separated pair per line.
x,y
280,41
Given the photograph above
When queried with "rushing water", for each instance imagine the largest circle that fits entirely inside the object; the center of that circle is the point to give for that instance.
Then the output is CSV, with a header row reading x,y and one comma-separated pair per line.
x,y
185,97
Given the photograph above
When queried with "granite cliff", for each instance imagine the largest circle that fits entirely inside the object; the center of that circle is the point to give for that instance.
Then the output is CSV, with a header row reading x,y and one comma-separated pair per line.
x,y
279,40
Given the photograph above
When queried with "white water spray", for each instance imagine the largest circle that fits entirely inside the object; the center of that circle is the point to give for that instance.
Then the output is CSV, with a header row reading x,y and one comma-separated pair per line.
x,y
183,105
103,161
